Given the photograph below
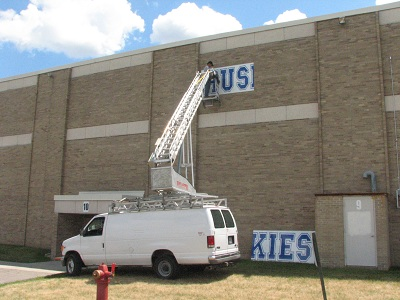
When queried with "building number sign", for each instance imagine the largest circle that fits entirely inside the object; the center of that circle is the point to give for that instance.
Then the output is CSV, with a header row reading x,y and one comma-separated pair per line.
x,y
358,205
85,206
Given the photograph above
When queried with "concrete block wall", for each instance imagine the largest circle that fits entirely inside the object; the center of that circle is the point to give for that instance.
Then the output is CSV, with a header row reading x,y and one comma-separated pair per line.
x,y
45,179
110,97
173,71
15,161
268,171
329,229
382,231
350,84
390,37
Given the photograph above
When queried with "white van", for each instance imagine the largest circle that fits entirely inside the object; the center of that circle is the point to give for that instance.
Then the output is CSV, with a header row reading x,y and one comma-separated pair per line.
x,y
162,239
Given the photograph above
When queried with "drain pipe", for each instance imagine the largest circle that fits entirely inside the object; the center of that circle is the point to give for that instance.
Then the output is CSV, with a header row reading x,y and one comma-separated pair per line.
x,y
373,179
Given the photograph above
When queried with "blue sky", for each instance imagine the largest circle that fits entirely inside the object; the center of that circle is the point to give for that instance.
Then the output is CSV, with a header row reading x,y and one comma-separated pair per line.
x,y
41,34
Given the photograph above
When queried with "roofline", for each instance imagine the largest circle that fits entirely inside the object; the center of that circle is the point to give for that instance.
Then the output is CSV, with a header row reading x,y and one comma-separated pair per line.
x,y
371,9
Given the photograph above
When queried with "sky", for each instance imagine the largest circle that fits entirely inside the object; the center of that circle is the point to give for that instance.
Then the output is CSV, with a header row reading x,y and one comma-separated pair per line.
x,y
40,34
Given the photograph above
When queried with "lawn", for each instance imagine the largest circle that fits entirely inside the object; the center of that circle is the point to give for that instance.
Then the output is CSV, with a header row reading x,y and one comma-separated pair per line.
x,y
23,254
245,280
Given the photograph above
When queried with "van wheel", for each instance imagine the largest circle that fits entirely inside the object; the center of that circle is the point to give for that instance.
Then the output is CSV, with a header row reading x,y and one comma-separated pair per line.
x,y
73,264
166,267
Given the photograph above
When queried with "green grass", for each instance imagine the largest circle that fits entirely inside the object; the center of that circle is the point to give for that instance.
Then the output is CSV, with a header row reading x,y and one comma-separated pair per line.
x,y
288,270
245,280
23,254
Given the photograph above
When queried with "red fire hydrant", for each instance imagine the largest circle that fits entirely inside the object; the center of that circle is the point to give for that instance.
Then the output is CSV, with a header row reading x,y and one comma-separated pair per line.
x,y
103,278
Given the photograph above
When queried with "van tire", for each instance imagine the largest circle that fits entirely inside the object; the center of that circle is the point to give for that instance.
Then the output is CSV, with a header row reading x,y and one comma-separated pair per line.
x,y
166,267
73,264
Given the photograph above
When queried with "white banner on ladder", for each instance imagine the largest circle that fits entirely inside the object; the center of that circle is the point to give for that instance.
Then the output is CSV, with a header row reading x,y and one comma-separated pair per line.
x,y
235,79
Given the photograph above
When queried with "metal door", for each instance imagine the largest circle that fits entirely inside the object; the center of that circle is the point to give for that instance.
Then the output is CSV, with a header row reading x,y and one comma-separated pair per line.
x,y
359,231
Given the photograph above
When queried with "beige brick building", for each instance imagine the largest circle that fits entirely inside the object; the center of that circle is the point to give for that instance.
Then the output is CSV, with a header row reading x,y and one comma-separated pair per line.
x,y
285,155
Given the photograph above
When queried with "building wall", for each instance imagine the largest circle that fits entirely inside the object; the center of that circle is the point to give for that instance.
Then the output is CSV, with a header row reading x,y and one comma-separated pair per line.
x,y
16,104
329,227
45,179
350,85
314,124
252,164
390,35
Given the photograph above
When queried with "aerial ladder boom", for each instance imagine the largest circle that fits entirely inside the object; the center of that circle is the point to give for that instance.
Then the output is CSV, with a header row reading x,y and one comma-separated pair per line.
x,y
163,176
168,145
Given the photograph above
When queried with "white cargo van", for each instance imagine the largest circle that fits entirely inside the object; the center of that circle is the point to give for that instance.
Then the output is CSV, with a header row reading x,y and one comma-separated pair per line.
x,y
164,239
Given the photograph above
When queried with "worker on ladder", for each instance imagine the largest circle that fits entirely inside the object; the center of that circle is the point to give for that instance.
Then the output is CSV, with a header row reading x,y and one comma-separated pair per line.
x,y
214,75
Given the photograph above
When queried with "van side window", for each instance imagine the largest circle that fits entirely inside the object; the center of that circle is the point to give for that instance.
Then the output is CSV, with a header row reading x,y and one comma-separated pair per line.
x,y
95,228
230,223
218,219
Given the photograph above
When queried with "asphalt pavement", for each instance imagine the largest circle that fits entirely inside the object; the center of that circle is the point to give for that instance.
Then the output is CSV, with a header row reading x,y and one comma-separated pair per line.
x,y
12,271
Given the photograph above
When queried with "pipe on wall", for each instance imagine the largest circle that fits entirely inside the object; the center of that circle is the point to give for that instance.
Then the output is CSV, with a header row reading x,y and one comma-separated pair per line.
x,y
373,179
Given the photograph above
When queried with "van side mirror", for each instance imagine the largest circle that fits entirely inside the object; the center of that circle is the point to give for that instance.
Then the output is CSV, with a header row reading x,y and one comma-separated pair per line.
x,y
81,231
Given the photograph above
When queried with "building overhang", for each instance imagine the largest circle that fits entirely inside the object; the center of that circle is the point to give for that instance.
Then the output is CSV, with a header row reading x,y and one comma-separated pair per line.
x,y
95,202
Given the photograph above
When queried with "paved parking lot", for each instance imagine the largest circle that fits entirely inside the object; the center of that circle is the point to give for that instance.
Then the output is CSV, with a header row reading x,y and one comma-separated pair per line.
x,y
11,272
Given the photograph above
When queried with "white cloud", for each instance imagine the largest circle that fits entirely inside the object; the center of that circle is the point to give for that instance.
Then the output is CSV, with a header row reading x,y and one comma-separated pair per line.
x,y
77,28
289,15
380,2
189,21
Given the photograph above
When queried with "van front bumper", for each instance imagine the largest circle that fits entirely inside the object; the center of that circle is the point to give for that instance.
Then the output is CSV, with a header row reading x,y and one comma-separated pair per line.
x,y
219,259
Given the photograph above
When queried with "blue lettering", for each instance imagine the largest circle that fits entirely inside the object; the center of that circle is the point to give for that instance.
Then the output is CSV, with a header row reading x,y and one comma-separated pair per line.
x,y
243,79
252,76
227,79
304,245
285,251
272,243
257,247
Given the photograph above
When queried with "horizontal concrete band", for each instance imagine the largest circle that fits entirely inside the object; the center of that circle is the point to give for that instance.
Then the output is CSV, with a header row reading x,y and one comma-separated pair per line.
x,y
15,140
261,115
392,103
273,114
108,130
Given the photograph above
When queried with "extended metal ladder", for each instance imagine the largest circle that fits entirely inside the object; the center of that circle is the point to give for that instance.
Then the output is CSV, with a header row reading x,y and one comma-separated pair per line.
x,y
177,201
168,145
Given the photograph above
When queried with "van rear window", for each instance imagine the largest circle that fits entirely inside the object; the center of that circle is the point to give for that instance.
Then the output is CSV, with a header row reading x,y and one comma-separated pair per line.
x,y
218,219
230,223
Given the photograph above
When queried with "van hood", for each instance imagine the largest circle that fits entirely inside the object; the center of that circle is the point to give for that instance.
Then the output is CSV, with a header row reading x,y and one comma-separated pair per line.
x,y
73,243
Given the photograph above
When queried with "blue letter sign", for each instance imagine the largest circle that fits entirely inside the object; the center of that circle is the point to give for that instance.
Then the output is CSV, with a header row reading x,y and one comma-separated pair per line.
x,y
235,79
283,246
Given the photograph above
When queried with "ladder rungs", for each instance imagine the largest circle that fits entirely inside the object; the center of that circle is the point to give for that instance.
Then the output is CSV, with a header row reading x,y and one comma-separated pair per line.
x,y
175,202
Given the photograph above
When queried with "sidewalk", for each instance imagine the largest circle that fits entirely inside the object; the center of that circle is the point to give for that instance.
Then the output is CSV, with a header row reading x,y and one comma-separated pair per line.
x,y
12,271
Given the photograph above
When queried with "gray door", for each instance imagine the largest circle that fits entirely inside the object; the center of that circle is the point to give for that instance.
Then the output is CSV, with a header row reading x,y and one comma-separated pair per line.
x,y
359,230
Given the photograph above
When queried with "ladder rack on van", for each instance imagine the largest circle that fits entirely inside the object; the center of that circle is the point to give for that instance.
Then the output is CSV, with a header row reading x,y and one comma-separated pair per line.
x,y
167,202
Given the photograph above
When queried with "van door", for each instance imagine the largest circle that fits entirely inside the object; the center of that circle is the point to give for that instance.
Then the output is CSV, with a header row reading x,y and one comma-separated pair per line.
x,y
231,230
92,242
220,236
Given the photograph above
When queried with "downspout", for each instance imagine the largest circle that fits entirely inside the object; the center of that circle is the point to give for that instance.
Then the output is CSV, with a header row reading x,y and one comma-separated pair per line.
x,y
373,179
